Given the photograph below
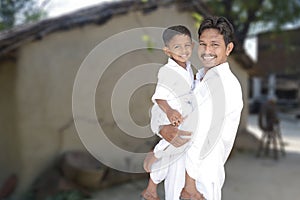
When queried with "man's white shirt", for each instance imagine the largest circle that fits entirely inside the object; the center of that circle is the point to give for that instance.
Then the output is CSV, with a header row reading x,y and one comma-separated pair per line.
x,y
217,116
216,129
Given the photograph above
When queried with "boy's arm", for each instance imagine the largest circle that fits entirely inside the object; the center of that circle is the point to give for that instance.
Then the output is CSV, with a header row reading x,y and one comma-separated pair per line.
x,y
173,115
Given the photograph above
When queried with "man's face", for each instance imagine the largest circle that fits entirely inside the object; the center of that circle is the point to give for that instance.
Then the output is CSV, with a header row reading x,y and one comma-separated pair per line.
x,y
212,50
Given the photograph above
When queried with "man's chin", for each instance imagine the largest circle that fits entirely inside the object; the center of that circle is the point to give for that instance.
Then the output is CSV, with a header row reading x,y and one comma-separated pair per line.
x,y
208,66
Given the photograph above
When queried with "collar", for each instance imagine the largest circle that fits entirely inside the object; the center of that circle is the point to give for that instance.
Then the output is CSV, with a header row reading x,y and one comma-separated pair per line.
x,y
172,63
200,74
215,70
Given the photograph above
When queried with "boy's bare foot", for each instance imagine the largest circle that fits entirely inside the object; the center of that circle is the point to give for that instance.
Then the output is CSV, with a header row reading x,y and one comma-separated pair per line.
x,y
147,195
149,160
191,195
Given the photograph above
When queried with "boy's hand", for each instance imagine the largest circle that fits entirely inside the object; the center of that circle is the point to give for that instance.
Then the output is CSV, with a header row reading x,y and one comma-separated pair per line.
x,y
174,117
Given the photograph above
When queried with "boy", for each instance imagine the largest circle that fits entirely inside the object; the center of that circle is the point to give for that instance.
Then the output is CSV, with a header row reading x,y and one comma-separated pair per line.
x,y
171,103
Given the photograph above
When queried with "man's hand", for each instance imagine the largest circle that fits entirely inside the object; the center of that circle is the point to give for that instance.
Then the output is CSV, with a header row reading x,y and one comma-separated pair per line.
x,y
174,136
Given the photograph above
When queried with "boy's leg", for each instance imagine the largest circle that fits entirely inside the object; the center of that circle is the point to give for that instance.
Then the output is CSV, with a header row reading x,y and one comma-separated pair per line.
x,y
149,160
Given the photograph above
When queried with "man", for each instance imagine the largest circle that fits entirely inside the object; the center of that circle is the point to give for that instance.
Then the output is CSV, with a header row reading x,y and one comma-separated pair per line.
x,y
269,124
219,105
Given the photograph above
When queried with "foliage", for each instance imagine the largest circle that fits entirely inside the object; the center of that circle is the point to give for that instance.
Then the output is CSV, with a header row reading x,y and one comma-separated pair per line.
x,y
198,18
13,12
147,39
254,14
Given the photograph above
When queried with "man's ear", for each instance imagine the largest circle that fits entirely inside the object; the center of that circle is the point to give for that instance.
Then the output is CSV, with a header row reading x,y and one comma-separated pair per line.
x,y
229,48
167,51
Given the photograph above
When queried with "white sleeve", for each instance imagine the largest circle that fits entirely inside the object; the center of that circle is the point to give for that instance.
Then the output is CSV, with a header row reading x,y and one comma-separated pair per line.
x,y
165,82
231,125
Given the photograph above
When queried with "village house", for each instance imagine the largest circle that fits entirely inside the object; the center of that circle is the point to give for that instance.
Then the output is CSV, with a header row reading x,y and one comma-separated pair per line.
x,y
39,63
276,72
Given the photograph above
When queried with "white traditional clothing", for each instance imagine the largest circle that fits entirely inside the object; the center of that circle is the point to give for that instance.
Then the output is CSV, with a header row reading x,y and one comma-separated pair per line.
x,y
219,98
174,85
219,105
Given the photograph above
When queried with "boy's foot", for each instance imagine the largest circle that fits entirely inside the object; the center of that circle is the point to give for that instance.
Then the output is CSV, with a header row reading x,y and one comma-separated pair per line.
x,y
187,195
149,160
146,195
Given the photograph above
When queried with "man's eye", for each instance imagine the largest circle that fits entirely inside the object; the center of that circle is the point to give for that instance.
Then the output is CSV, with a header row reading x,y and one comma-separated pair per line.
x,y
201,44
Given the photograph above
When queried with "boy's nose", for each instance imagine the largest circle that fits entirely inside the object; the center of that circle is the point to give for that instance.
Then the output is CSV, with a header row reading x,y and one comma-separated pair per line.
x,y
186,49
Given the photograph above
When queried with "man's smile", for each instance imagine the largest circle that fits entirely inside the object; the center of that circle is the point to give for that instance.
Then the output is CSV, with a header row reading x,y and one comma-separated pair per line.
x,y
208,57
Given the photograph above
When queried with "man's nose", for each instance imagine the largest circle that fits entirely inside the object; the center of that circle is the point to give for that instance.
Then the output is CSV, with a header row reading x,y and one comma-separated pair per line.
x,y
207,49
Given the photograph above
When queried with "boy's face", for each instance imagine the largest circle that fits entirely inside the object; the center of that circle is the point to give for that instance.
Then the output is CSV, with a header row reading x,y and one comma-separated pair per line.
x,y
179,48
212,50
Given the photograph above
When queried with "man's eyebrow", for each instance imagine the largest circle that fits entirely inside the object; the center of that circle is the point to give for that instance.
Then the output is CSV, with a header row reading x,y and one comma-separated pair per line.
x,y
213,41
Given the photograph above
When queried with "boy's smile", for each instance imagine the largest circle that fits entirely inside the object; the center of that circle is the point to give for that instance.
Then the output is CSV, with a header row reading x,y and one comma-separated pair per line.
x,y
180,49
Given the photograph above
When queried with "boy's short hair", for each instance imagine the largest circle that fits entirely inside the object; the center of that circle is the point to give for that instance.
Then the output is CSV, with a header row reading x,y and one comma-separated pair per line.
x,y
170,32
220,23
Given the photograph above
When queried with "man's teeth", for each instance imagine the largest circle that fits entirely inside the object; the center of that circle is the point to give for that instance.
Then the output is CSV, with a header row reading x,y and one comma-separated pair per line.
x,y
208,57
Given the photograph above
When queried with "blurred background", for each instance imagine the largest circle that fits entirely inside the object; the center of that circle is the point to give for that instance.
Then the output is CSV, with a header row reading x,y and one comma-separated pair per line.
x,y
43,44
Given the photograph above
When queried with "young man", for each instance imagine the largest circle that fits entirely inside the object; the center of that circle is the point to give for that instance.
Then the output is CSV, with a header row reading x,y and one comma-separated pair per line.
x,y
219,101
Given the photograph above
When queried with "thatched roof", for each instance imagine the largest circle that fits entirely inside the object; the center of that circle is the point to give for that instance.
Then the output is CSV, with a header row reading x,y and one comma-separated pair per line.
x,y
99,14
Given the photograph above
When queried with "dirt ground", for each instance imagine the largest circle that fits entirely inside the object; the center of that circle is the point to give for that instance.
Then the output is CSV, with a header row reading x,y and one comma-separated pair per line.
x,y
247,177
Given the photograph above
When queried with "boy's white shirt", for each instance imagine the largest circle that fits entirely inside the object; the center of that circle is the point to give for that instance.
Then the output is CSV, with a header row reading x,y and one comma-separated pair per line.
x,y
174,85
171,87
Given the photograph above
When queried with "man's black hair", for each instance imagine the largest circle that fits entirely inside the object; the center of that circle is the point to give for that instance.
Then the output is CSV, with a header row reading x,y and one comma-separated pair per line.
x,y
220,23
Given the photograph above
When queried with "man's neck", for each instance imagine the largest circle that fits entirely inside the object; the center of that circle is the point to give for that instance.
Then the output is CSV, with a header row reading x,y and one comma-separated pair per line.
x,y
206,69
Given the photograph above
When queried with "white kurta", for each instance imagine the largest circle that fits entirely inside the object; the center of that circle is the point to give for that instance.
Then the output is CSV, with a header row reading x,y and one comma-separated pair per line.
x,y
174,85
219,105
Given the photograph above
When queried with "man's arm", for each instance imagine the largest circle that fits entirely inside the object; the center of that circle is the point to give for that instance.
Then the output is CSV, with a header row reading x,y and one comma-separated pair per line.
x,y
173,135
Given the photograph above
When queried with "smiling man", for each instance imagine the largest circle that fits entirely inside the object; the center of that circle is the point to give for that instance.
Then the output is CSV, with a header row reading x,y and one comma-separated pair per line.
x,y
219,105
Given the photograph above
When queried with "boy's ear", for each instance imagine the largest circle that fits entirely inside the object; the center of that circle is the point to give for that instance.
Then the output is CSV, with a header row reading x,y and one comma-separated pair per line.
x,y
167,51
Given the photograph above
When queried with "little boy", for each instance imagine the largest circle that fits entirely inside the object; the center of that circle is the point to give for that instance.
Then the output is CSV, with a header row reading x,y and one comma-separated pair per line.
x,y
171,104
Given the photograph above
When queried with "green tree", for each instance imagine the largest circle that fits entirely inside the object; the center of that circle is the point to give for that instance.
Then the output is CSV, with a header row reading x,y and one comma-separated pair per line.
x,y
252,14
13,12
